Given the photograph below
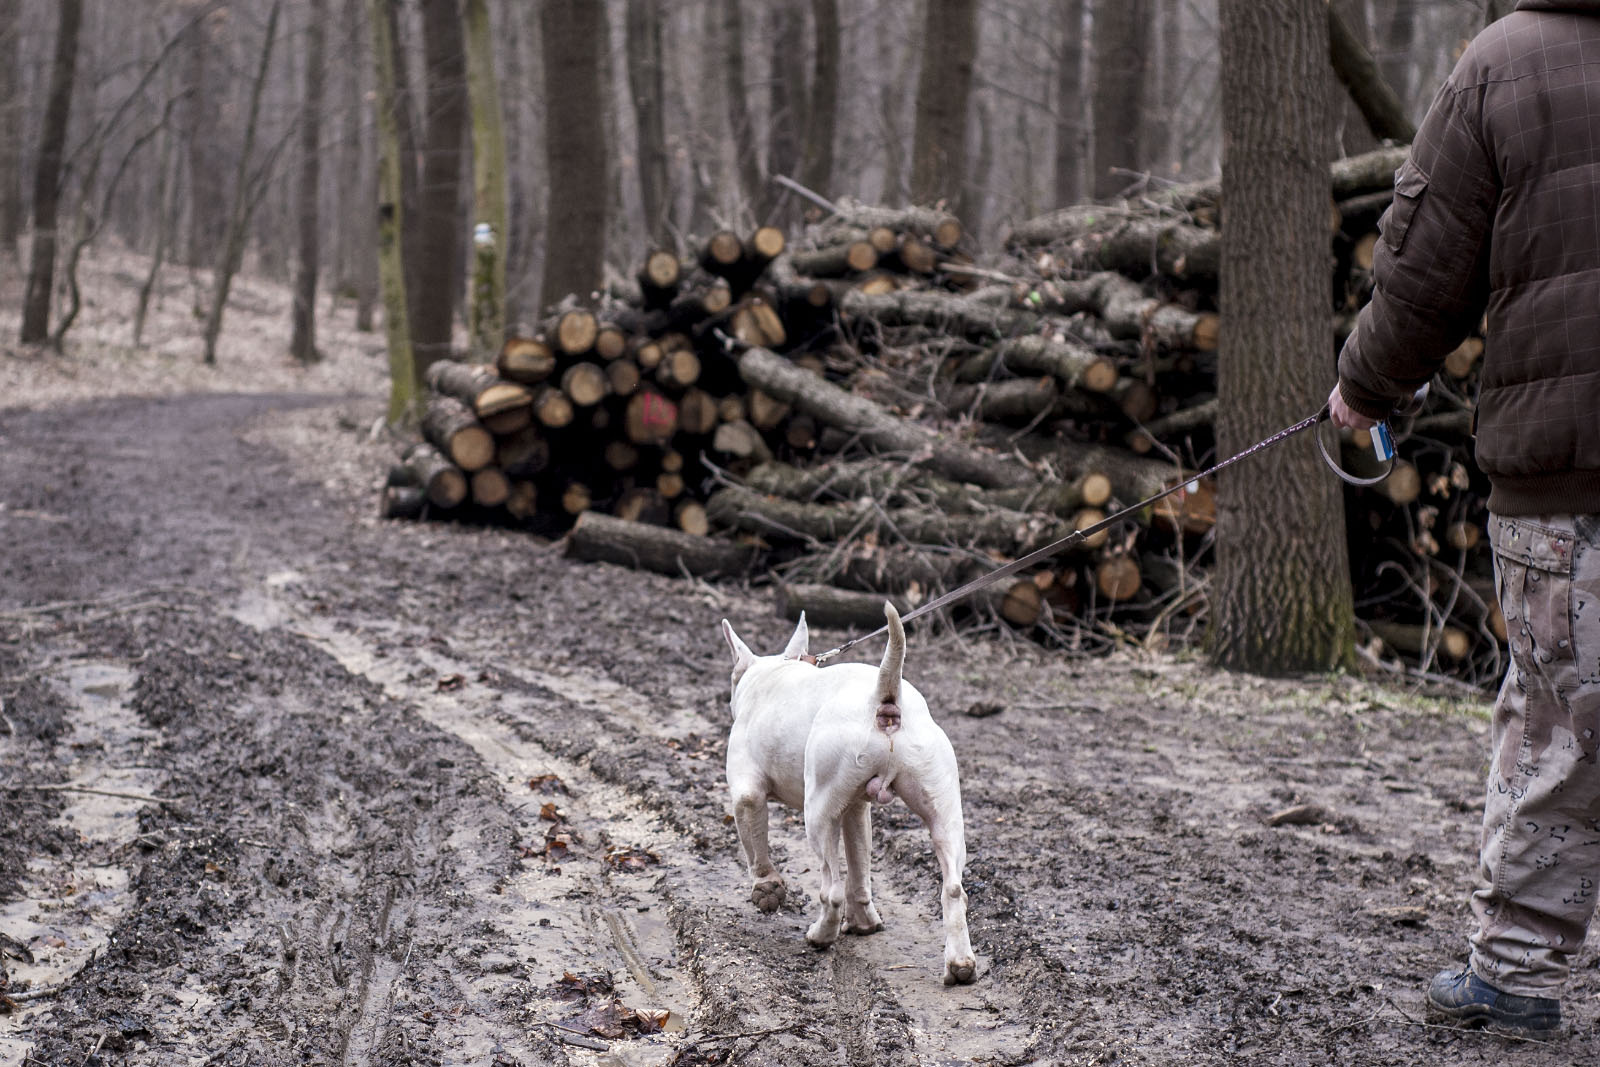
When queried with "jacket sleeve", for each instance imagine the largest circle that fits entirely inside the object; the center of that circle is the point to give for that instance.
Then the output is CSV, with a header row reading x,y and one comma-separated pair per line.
x,y
1431,266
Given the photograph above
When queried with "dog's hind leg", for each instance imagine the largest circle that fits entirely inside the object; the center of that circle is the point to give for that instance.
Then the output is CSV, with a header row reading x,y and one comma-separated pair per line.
x,y
861,917
750,817
941,812
823,830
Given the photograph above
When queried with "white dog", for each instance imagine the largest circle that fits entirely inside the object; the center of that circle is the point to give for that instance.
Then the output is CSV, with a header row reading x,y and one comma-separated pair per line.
x,y
831,742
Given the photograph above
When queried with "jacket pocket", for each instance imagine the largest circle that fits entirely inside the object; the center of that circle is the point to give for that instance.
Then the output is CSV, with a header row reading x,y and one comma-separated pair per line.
x,y
1409,186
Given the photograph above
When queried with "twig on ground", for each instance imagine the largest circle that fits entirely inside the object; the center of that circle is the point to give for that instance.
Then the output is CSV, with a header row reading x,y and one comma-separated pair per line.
x,y
39,787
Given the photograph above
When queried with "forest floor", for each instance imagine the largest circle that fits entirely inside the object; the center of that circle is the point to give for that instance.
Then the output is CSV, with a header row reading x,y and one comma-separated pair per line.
x,y
397,793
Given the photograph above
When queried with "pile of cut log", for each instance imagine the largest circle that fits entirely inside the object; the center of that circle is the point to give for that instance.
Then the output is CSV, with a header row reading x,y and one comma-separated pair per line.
x,y
871,410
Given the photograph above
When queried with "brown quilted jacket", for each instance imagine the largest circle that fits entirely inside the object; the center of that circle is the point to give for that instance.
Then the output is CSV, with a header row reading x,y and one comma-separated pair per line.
x,y
1497,211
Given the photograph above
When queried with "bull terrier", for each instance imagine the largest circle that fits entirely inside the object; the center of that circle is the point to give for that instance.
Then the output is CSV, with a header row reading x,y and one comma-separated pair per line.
x,y
832,742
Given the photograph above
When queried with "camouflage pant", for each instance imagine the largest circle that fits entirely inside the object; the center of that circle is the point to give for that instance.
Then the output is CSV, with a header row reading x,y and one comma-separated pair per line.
x,y
1540,859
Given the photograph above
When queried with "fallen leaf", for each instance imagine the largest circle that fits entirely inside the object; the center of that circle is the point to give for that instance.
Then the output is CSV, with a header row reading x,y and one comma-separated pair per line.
x,y
451,682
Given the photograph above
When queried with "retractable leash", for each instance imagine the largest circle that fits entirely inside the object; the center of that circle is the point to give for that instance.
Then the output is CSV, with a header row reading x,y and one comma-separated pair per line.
x,y
1382,444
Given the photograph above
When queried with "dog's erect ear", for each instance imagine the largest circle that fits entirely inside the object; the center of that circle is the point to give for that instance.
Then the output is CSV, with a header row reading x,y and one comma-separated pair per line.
x,y
797,643
742,656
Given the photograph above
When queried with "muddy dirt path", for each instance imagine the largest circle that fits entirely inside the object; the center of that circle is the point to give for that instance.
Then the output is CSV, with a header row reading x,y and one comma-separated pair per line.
x,y
417,794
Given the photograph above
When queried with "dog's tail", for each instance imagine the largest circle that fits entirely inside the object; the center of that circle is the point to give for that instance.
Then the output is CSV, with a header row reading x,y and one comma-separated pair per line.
x,y
894,661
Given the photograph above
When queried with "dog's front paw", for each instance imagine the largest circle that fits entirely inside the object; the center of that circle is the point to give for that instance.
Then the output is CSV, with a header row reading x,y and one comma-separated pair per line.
x,y
960,972
767,895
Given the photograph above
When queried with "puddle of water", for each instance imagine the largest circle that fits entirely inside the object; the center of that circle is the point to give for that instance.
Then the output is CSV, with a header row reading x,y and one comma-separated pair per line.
x,y
70,904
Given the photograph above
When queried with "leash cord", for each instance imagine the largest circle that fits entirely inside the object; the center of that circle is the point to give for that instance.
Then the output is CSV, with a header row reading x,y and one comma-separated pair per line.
x,y
1080,535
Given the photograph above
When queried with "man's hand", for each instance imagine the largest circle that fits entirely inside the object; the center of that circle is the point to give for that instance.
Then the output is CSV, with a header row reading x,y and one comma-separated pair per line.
x,y
1343,417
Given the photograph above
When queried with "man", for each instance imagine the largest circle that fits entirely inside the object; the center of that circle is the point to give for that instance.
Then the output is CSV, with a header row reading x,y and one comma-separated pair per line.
x,y
1497,211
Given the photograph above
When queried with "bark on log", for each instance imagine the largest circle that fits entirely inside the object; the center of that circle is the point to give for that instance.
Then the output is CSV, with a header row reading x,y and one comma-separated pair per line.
x,y
522,454
1183,421
453,428
523,503
1452,643
402,502
598,537
1073,365
1010,532
836,261
482,390
526,360
781,379
896,484
940,227
1013,400
1127,312
443,481
833,608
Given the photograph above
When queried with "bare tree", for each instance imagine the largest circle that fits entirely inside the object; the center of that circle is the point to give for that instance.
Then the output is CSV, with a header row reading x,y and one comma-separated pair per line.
x,y
439,231
822,114
303,337
246,195
487,307
1121,67
939,145
786,103
404,385
1494,10
47,175
1282,599
574,34
646,84
740,127
1071,131
10,126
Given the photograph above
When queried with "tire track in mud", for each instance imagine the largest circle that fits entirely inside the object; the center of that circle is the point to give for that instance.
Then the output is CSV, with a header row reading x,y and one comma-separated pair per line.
x,y
875,1000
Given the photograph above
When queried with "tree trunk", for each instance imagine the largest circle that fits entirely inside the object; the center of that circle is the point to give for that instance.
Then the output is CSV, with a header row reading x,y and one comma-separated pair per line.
x,y
1282,598
11,105
1071,132
303,338
166,223
404,381
816,173
244,200
1121,68
1398,40
47,175
786,80
438,247
735,94
574,34
1359,73
939,143
491,220
407,126
646,82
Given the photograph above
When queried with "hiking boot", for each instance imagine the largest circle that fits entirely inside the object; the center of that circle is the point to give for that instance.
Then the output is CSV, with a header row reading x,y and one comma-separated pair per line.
x,y
1465,998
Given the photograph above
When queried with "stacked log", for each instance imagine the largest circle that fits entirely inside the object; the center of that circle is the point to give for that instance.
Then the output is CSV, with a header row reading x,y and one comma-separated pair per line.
x,y
869,410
